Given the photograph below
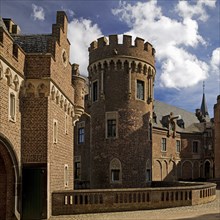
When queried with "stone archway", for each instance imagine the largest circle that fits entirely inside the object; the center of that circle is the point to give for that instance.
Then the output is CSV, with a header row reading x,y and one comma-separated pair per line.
x,y
8,182
3,188
187,171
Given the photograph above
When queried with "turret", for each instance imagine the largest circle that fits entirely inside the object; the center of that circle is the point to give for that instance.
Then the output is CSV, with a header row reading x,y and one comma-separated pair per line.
x,y
121,95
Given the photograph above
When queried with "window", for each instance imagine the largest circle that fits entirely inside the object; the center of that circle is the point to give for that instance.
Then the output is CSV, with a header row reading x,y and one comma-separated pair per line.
x,y
95,91
55,131
81,135
12,106
115,175
163,144
178,147
66,175
77,170
66,124
111,123
195,147
140,89
148,175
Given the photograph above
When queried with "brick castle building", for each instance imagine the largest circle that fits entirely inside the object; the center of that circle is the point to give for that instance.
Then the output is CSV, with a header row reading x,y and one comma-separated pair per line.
x,y
123,139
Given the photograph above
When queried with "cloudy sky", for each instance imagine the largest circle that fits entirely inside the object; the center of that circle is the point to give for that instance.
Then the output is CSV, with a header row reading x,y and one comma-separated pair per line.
x,y
185,34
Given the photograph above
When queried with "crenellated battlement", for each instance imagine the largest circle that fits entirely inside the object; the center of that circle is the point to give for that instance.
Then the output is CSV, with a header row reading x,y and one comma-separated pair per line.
x,y
107,48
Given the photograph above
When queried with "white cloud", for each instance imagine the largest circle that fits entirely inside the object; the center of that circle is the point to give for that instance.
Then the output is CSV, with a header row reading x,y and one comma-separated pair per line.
x,y
186,10
38,12
171,38
68,11
215,60
81,32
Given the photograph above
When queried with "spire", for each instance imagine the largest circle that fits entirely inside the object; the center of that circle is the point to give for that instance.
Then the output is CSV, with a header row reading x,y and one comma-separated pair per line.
x,y
204,108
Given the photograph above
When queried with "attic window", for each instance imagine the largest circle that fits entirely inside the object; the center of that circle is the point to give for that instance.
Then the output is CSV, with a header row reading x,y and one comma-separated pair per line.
x,y
181,123
64,57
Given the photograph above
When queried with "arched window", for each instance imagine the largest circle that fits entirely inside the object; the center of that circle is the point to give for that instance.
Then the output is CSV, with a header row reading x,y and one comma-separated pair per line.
x,y
115,171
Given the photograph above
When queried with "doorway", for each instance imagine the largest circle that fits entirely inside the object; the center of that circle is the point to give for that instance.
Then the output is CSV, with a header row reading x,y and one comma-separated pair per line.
x,y
34,191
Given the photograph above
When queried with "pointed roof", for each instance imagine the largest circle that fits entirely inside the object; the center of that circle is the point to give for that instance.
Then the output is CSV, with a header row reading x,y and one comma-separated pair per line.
x,y
204,108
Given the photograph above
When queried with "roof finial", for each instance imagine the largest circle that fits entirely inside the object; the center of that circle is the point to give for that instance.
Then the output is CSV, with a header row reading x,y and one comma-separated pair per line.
x,y
203,87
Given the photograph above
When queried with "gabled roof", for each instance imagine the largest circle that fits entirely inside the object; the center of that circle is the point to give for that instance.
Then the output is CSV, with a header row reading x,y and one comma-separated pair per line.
x,y
162,109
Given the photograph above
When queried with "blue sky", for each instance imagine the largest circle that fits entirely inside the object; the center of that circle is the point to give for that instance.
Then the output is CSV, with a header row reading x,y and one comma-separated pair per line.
x,y
185,34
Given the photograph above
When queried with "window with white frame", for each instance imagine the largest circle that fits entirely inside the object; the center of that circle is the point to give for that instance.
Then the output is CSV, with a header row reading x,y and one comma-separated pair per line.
x,y
55,131
178,146
111,124
12,106
164,144
140,90
66,175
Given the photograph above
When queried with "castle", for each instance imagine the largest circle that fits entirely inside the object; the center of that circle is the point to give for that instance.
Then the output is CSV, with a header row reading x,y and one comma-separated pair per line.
x,y
53,135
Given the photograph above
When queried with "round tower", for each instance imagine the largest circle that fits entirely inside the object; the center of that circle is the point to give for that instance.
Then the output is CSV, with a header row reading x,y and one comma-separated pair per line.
x,y
121,93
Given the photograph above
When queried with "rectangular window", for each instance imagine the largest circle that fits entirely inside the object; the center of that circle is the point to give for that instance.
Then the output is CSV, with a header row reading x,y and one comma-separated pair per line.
x,y
148,176
140,89
66,175
81,135
195,147
55,131
163,144
178,147
66,124
77,170
12,106
115,175
111,128
95,91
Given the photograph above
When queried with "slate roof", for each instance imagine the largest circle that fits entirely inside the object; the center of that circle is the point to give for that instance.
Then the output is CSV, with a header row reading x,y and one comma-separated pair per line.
x,y
32,43
191,123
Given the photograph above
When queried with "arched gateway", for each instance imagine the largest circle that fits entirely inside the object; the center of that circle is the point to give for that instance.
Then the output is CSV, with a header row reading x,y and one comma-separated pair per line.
x,y
9,179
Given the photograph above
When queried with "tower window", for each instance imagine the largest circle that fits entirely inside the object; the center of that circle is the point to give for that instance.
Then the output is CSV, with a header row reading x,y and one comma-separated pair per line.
x,y
95,91
140,89
111,123
115,175
163,144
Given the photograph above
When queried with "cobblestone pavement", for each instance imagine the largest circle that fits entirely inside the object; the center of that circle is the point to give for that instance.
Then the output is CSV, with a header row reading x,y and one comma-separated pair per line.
x,y
209,211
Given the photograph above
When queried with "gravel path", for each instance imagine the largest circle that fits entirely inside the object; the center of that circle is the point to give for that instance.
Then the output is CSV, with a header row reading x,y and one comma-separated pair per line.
x,y
209,211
